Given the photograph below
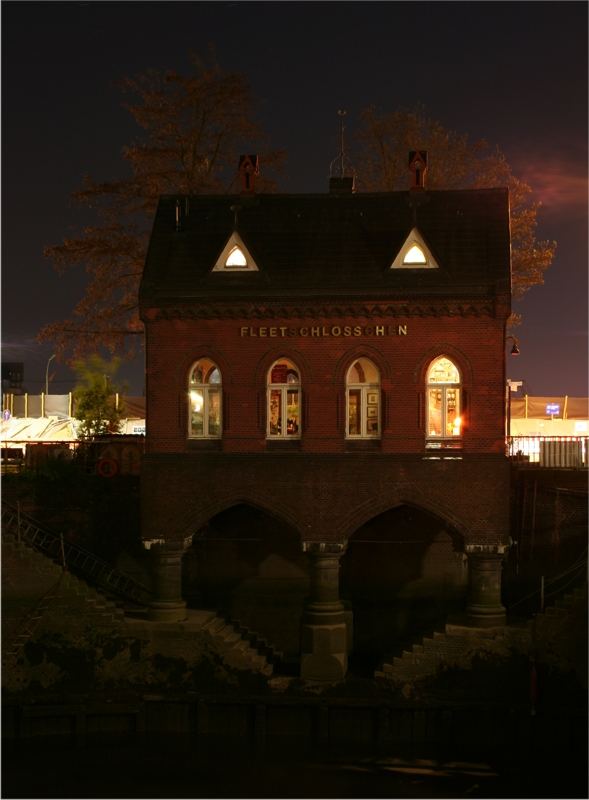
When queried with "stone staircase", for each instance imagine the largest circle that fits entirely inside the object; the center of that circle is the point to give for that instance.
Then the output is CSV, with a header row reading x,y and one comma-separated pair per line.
x,y
43,590
458,644
241,645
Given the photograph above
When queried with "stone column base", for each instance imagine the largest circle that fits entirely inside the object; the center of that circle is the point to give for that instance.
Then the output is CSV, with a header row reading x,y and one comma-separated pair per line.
x,y
167,611
485,617
484,608
324,651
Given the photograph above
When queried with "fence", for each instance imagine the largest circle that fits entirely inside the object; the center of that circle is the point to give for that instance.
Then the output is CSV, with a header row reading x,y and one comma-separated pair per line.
x,y
570,452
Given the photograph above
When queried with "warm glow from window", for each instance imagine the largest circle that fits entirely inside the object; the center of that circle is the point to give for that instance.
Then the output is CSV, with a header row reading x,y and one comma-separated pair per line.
x,y
415,255
204,396
363,400
444,420
196,399
236,258
443,371
284,401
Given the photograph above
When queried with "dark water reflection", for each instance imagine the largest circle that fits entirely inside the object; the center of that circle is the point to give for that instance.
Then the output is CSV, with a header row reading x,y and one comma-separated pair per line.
x,y
182,767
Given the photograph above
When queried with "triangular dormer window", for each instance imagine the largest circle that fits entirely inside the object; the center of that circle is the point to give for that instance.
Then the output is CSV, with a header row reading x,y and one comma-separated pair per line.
x,y
414,254
235,257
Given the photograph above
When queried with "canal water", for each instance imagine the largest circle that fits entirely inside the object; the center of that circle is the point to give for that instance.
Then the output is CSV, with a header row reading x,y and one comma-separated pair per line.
x,y
182,767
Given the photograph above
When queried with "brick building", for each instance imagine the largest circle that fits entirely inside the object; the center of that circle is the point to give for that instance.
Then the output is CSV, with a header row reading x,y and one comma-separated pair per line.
x,y
326,390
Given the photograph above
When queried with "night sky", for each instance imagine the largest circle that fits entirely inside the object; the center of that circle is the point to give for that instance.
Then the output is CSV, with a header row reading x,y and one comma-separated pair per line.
x,y
513,73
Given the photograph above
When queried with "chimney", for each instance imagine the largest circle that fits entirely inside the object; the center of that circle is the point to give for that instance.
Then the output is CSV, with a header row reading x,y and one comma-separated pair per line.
x,y
248,168
418,169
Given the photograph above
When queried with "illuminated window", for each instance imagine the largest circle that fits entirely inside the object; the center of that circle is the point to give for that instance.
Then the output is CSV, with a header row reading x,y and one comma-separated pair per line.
x,y
363,400
444,422
236,258
204,401
414,253
284,401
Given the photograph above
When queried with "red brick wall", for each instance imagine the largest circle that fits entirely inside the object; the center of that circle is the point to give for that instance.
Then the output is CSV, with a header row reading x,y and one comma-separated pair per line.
x,y
475,343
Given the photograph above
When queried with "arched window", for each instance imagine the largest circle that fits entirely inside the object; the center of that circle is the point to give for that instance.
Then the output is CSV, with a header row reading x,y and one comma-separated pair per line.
x,y
204,400
363,400
284,401
444,423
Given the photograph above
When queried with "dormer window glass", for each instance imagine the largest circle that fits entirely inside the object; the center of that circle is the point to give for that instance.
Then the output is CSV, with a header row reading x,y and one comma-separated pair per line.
x,y
236,258
415,255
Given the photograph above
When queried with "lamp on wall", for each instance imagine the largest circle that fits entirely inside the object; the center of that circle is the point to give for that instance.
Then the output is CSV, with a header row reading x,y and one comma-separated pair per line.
x,y
515,348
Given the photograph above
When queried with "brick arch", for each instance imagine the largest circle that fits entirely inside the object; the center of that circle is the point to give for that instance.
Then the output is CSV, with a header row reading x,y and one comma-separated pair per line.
x,y
196,519
369,510
451,352
353,354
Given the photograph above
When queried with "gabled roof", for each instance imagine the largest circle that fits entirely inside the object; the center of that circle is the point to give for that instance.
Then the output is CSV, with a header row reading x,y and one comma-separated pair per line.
x,y
329,246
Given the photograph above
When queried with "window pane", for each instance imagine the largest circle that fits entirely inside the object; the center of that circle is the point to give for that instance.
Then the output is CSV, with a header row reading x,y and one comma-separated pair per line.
x,y
453,420
236,258
214,412
196,412
214,376
279,373
274,412
197,375
354,406
415,256
434,412
443,371
372,415
292,408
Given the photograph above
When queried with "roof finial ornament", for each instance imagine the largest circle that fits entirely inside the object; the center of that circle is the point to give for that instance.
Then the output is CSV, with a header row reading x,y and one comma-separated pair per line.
x,y
342,176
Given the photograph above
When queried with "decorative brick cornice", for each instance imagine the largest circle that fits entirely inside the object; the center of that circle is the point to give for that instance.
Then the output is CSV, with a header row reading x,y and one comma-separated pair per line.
x,y
376,310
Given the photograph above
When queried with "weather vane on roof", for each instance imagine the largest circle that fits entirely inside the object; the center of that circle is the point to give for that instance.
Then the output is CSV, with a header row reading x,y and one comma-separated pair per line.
x,y
340,167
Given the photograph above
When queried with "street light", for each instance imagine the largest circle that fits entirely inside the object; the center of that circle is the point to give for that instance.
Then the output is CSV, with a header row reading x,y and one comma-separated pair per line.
x,y
47,374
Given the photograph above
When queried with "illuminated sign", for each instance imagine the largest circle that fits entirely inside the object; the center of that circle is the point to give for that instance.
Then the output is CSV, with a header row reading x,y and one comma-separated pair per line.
x,y
321,331
552,408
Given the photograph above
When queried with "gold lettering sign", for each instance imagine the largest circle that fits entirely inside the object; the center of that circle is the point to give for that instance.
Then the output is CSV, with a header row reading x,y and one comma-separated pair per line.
x,y
321,331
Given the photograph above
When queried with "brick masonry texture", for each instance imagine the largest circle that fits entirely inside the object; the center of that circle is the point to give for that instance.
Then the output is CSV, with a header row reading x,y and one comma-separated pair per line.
x,y
324,497
323,285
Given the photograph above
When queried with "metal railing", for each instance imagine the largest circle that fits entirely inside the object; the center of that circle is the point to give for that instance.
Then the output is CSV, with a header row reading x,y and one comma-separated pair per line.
x,y
564,452
73,557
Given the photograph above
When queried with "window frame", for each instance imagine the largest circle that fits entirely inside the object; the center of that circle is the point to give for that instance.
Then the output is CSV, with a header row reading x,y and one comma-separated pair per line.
x,y
444,440
283,388
364,390
206,388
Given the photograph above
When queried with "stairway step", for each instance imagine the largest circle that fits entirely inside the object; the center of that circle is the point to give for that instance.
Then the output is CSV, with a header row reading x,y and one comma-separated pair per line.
x,y
214,625
554,611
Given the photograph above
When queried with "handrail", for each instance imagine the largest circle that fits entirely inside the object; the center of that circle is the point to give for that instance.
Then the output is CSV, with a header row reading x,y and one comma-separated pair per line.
x,y
77,559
